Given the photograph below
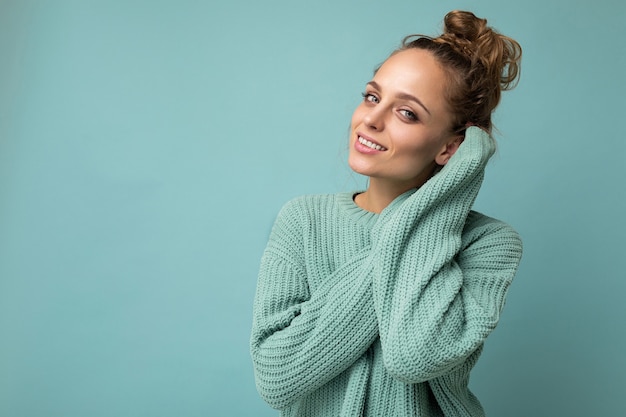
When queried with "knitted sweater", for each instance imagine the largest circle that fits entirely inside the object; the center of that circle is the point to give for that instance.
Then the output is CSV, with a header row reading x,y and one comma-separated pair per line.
x,y
359,314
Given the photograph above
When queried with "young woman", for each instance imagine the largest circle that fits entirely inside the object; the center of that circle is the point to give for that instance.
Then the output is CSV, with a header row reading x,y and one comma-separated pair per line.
x,y
378,303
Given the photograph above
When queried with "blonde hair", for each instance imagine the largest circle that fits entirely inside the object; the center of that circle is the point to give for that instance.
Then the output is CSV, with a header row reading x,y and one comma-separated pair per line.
x,y
480,64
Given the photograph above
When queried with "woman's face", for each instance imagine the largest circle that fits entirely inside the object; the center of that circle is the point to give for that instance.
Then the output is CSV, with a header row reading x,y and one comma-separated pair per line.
x,y
401,129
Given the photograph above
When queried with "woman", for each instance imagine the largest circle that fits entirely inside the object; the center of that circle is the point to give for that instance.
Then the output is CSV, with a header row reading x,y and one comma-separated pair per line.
x,y
378,303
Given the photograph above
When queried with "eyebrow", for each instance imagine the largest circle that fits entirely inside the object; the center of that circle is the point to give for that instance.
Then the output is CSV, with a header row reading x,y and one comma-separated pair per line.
x,y
404,96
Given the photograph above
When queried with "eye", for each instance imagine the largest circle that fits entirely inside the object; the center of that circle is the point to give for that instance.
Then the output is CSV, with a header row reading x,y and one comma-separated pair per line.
x,y
370,97
408,114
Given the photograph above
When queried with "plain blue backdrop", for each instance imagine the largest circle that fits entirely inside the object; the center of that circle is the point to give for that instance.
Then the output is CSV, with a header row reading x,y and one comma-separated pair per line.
x,y
146,147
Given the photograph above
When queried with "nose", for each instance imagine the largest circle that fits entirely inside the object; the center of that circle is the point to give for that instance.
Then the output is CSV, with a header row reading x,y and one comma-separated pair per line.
x,y
375,118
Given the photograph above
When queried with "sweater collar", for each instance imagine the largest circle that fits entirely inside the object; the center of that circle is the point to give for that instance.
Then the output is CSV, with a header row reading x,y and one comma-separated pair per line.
x,y
356,213
351,209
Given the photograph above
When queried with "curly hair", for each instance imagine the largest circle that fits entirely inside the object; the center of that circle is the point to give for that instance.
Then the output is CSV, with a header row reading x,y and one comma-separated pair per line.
x,y
480,63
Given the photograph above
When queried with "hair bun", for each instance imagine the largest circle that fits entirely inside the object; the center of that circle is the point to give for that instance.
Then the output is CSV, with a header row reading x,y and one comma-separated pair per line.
x,y
480,62
470,37
464,26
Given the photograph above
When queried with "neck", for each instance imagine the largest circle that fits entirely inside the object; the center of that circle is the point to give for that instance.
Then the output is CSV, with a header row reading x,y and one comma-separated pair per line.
x,y
380,193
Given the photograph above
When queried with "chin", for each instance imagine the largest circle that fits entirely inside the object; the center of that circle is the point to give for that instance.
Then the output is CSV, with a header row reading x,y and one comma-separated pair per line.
x,y
357,167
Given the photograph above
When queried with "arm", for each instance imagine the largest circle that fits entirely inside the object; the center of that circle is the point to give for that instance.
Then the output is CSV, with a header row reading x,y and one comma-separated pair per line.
x,y
435,302
301,340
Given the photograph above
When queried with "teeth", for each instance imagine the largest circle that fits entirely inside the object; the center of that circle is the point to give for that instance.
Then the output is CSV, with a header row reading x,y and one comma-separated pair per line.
x,y
371,144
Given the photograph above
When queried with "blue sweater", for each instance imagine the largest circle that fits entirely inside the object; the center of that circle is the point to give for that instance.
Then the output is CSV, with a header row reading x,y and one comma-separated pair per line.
x,y
359,314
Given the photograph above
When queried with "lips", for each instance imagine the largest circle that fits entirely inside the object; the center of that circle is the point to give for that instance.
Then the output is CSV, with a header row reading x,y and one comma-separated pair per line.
x,y
370,144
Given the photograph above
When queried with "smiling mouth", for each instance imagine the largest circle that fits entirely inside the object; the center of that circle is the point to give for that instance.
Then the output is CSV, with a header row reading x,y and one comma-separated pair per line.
x,y
371,145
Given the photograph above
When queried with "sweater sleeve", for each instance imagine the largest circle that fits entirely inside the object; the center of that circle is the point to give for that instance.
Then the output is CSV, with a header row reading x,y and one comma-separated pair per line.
x,y
435,302
301,339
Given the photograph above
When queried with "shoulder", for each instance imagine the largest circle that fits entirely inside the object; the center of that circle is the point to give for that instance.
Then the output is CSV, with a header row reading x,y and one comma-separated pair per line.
x,y
300,212
306,205
490,237
478,224
295,220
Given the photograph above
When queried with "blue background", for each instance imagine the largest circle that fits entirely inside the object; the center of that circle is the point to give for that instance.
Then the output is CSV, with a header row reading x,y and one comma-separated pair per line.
x,y
146,147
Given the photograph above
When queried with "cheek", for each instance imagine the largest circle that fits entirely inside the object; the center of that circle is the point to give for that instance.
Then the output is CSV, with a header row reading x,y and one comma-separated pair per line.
x,y
420,147
357,116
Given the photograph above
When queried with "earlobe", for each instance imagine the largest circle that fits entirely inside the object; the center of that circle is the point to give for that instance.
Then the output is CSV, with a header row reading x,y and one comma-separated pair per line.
x,y
448,150
442,159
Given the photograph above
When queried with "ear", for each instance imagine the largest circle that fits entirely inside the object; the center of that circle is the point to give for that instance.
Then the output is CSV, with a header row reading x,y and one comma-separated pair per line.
x,y
448,149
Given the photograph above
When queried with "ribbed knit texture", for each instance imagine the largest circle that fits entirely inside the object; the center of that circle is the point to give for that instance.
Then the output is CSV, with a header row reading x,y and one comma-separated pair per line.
x,y
358,314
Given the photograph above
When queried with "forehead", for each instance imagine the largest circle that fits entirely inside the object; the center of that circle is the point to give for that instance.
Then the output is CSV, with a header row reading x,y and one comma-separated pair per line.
x,y
415,71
